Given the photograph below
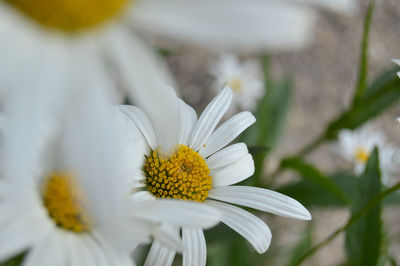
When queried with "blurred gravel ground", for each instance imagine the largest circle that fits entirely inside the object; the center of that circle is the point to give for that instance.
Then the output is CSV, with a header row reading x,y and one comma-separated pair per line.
x,y
324,75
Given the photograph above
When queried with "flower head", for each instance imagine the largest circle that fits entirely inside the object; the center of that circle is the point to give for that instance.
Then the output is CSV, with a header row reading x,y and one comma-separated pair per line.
x,y
244,78
186,159
356,147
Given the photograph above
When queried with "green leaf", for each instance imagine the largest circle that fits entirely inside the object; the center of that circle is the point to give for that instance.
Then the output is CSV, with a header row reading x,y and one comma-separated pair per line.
x,y
254,150
16,261
363,237
382,94
272,112
310,194
302,246
312,174
363,65
271,118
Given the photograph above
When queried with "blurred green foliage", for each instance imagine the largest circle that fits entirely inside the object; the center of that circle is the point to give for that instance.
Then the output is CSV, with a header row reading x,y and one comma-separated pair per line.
x,y
363,237
361,195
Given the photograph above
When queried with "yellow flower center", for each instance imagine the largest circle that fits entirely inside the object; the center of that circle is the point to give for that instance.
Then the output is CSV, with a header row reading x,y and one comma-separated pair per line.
x,y
70,15
65,202
236,84
362,155
183,175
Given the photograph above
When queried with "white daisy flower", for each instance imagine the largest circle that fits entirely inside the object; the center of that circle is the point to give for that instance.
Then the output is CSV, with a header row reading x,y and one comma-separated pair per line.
x,y
357,145
244,78
47,36
186,159
63,199
52,187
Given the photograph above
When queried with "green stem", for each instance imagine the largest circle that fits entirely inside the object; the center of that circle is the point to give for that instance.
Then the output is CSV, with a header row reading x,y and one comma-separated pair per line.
x,y
375,200
303,152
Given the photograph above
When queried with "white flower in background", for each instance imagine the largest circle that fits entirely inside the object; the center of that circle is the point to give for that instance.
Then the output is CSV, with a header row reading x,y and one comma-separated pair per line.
x,y
63,196
356,146
397,61
184,158
83,38
244,78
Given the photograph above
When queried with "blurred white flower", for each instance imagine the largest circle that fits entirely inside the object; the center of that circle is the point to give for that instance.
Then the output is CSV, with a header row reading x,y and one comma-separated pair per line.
x,y
56,170
80,39
356,146
244,78
63,195
184,158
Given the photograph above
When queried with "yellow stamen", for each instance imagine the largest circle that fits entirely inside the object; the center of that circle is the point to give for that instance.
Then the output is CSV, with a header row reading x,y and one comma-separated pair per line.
x,y
183,175
66,203
362,155
70,15
236,84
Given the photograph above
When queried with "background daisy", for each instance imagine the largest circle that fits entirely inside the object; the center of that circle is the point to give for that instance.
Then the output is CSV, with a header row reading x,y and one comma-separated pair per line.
x,y
357,145
244,78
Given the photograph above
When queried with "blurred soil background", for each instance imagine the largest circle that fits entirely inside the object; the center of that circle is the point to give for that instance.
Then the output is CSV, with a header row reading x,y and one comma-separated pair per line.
x,y
324,76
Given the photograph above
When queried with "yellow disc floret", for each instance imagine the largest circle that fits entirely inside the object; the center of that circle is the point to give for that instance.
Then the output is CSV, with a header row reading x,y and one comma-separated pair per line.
x,y
70,15
183,175
236,84
65,202
362,155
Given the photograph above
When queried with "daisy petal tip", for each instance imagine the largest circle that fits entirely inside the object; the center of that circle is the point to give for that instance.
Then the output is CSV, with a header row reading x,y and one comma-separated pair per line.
x,y
397,61
263,247
252,118
305,215
228,90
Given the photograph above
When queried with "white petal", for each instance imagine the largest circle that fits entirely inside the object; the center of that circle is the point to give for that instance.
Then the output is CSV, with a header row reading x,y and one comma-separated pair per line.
x,y
187,121
396,157
15,238
49,252
168,237
233,173
342,6
143,123
84,254
246,224
96,251
147,80
210,118
261,199
178,213
89,146
228,24
195,249
159,255
227,156
142,196
227,132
